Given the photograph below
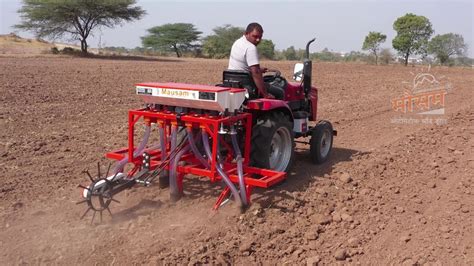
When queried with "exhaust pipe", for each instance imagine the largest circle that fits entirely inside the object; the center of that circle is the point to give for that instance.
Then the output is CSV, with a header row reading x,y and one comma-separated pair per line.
x,y
307,69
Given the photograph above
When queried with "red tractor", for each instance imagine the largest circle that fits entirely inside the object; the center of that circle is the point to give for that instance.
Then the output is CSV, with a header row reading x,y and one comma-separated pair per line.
x,y
277,122
223,132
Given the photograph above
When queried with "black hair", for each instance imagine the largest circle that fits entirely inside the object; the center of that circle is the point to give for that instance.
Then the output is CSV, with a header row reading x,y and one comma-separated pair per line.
x,y
254,26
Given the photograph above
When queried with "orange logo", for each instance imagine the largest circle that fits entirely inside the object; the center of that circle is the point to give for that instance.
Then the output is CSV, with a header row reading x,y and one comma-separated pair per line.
x,y
425,95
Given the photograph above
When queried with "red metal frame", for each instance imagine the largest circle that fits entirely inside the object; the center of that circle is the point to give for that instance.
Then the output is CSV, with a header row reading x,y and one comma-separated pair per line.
x,y
294,92
254,177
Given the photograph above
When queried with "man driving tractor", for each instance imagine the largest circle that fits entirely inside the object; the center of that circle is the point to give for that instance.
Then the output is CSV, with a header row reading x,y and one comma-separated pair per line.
x,y
244,57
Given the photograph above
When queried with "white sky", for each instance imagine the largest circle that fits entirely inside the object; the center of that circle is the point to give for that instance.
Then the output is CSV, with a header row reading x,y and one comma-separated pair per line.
x,y
338,25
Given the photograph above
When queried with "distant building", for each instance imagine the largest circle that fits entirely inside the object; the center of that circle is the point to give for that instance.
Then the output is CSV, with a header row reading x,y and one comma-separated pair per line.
x,y
411,60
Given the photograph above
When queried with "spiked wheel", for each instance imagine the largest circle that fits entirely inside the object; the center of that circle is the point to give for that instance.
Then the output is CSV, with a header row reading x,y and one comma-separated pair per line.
x,y
98,195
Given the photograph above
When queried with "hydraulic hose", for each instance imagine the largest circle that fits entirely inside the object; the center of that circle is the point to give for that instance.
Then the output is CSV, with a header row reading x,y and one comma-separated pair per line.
x,y
235,193
172,177
139,150
207,150
240,169
178,152
164,173
173,137
175,193
167,158
161,131
195,150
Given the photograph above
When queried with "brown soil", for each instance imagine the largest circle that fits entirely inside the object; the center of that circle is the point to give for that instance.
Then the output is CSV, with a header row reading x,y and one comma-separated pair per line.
x,y
13,44
390,194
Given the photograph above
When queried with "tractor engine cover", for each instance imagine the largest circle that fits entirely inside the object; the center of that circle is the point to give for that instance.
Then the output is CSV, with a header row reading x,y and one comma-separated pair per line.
x,y
191,95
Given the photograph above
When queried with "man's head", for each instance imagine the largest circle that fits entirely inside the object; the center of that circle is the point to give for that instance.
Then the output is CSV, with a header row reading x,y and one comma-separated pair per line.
x,y
254,33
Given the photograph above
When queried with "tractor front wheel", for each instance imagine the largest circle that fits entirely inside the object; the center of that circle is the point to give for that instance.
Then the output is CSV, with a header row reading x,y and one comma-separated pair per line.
x,y
272,142
321,142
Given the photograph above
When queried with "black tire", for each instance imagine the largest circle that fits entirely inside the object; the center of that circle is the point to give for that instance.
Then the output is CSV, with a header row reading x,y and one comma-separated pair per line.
x,y
272,145
321,142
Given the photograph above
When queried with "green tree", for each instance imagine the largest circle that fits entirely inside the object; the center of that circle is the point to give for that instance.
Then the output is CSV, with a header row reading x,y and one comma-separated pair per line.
x,y
372,43
176,37
447,45
266,49
290,53
76,18
218,45
413,33
355,56
326,55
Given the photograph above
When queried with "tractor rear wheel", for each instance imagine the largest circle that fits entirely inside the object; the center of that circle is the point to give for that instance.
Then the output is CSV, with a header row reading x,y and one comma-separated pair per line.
x,y
321,142
272,142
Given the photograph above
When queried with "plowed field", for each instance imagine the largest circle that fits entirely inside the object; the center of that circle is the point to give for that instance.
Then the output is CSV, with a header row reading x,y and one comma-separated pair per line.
x,y
391,193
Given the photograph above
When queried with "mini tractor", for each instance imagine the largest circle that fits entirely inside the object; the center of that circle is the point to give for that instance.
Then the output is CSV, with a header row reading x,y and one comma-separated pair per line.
x,y
224,132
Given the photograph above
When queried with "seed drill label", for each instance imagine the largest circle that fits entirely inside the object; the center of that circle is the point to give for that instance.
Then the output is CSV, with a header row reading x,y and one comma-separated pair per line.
x,y
144,90
176,93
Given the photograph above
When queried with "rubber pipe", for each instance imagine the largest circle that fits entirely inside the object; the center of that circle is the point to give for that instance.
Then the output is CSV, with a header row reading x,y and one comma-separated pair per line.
x,y
240,169
139,150
195,150
235,193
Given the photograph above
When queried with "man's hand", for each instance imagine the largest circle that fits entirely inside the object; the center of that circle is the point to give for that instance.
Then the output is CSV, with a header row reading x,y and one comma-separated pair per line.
x,y
263,69
258,79
269,96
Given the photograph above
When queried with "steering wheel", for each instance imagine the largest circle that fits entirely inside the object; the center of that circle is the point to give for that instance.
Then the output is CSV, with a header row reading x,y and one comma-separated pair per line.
x,y
276,74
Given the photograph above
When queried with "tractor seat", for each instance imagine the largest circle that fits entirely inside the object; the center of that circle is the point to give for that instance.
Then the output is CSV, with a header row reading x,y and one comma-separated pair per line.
x,y
240,79
243,79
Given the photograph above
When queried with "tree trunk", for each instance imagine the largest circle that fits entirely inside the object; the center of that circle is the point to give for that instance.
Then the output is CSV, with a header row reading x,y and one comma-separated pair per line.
x,y
406,58
376,59
176,50
443,59
374,52
84,46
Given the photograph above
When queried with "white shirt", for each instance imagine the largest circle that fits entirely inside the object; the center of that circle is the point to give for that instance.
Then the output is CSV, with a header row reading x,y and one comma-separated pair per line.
x,y
243,55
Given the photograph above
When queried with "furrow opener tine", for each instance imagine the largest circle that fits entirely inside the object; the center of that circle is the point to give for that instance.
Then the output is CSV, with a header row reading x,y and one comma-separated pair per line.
x,y
112,199
108,209
80,202
98,170
93,217
89,175
83,215
108,169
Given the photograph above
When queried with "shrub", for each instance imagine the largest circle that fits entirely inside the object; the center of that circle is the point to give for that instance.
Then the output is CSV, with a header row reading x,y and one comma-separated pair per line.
x,y
55,50
69,50
386,56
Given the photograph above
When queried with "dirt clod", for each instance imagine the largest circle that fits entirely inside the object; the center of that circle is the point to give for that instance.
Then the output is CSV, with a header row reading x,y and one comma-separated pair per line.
x,y
340,254
345,177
